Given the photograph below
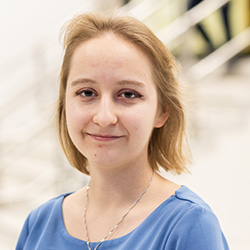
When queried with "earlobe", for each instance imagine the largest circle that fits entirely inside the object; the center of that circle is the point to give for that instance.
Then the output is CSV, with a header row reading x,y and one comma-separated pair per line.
x,y
161,119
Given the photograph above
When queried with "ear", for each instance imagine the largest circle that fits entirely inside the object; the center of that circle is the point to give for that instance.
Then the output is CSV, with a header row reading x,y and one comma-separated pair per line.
x,y
161,119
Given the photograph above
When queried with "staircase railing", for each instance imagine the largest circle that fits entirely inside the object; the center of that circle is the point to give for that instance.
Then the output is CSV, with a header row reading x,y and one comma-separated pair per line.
x,y
190,18
220,56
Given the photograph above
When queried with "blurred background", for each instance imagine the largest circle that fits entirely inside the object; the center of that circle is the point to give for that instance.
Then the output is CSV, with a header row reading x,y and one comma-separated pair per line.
x,y
210,39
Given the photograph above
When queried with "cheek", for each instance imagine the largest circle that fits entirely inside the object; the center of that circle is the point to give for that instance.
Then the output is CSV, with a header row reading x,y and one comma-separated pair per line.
x,y
142,123
70,114
74,117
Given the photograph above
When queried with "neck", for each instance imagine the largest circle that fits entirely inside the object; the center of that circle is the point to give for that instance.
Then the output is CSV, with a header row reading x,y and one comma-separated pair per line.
x,y
118,187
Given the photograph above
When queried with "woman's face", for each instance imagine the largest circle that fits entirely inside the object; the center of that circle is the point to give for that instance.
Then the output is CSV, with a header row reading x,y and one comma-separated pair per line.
x,y
111,101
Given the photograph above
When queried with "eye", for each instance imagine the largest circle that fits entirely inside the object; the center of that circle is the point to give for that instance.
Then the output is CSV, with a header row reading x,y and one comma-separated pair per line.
x,y
86,93
129,94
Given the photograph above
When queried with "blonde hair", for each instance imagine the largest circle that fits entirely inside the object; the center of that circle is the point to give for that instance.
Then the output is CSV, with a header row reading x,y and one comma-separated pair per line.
x,y
166,146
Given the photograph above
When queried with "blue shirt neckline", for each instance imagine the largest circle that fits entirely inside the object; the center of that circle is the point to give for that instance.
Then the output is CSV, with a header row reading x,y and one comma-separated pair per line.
x,y
178,193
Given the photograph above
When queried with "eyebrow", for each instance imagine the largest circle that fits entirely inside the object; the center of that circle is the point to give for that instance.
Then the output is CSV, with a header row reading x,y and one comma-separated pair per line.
x,y
81,80
131,82
123,82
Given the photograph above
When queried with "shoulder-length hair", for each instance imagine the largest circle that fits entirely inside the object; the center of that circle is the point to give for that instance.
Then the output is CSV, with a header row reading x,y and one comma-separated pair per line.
x,y
167,147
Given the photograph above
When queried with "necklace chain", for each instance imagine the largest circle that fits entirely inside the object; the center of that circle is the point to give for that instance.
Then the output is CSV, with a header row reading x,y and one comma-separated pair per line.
x,y
119,222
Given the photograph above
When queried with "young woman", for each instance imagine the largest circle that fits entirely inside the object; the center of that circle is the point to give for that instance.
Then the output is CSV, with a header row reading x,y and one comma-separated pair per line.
x,y
120,118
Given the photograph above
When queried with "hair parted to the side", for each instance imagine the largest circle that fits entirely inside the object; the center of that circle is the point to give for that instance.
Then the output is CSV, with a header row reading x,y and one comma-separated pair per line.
x,y
167,147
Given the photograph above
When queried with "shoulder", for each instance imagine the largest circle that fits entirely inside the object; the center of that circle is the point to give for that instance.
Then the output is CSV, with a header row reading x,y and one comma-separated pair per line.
x,y
197,226
42,219
193,207
44,211
50,204
184,209
187,198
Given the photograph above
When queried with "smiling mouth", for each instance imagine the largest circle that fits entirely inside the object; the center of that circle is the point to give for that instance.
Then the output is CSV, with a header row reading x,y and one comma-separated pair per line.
x,y
100,137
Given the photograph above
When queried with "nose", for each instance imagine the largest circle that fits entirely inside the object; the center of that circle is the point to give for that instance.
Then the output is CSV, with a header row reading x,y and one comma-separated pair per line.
x,y
105,113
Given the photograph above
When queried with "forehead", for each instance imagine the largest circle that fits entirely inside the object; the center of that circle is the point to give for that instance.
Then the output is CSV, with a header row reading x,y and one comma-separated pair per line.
x,y
110,45
107,53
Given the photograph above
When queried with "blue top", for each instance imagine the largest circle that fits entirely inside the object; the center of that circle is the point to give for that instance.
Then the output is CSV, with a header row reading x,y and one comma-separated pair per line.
x,y
182,222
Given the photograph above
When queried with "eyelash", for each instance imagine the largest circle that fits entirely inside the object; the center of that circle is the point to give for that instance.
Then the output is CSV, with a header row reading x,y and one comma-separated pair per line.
x,y
121,93
80,92
131,93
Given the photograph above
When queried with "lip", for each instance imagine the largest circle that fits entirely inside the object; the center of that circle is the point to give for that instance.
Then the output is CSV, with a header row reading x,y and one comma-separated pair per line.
x,y
104,137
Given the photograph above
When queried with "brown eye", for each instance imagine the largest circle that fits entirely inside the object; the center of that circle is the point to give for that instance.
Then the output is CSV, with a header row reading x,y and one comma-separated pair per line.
x,y
130,94
86,93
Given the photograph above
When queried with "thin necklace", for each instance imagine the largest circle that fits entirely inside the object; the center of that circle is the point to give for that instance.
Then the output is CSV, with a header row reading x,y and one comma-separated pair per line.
x,y
119,222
